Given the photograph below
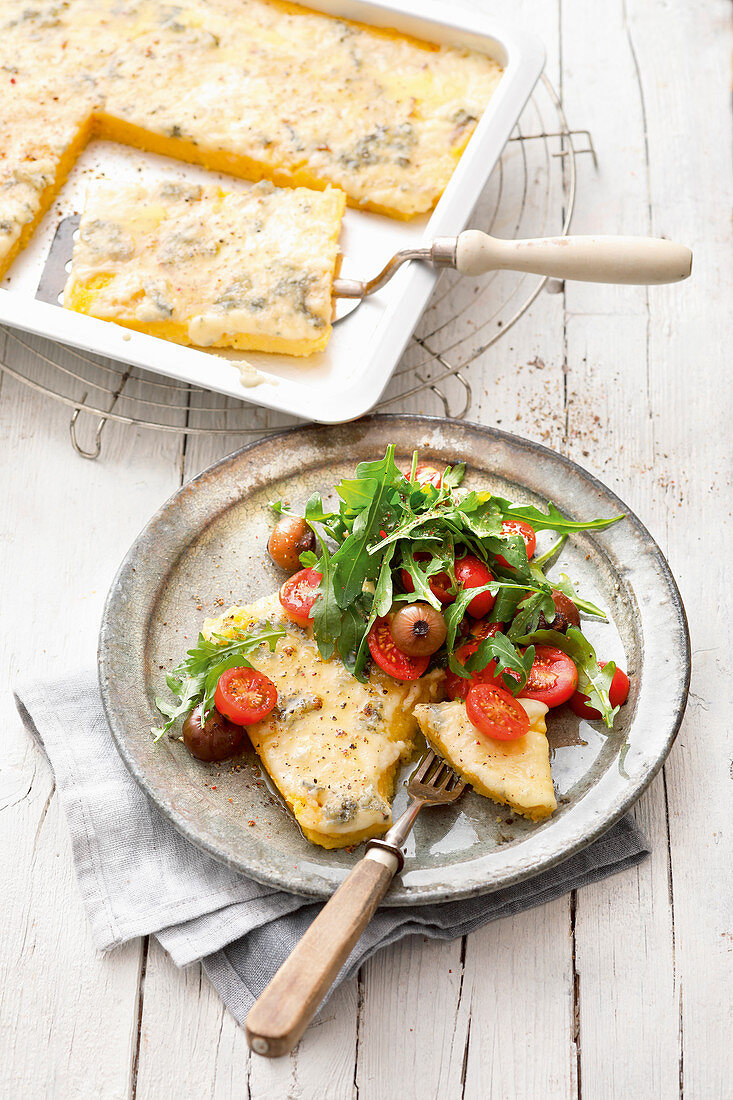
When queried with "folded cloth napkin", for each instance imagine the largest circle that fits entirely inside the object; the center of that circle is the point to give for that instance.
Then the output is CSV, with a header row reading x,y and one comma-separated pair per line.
x,y
138,875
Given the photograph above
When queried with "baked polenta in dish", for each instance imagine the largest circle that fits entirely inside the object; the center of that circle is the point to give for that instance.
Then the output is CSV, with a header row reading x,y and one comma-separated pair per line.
x,y
255,88
415,606
197,265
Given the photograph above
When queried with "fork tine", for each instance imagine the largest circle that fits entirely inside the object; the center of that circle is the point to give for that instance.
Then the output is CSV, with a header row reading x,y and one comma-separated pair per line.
x,y
424,767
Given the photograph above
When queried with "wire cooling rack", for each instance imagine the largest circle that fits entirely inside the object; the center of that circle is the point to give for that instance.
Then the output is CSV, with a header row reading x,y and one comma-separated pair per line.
x,y
531,193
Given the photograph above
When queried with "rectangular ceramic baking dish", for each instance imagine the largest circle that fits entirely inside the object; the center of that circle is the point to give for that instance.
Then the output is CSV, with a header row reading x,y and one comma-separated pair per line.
x,y
346,379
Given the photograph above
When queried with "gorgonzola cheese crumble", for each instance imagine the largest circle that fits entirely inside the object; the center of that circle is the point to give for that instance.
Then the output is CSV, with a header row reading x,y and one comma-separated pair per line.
x,y
197,265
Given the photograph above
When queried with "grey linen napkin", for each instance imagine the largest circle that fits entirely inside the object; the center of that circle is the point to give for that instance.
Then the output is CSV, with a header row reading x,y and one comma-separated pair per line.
x,y
138,876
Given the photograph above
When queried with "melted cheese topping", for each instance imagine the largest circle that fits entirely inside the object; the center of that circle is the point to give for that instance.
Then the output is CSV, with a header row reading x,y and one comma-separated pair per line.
x,y
516,773
332,745
197,265
257,88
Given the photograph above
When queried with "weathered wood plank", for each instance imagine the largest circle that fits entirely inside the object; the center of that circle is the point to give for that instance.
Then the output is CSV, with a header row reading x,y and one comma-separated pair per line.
x,y
689,139
623,927
69,1013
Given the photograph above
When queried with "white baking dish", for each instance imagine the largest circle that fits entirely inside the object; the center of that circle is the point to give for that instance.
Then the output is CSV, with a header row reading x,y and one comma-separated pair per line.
x,y
346,379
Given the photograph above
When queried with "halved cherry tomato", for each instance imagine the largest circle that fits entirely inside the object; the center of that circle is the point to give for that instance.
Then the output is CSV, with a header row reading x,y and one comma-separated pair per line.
x,y
483,629
553,678
495,713
439,583
618,693
244,696
391,659
458,687
299,593
472,573
518,527
425,474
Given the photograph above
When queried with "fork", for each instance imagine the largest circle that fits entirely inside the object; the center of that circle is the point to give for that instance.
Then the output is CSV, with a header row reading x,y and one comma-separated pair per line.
x,y
284,1009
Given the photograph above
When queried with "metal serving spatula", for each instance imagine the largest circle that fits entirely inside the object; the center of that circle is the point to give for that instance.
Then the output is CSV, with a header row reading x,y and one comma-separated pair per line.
x,y
284,1009
640,260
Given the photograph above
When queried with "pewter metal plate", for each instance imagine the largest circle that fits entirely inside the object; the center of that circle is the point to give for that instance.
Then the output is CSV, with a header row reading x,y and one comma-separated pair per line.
x,y
207,546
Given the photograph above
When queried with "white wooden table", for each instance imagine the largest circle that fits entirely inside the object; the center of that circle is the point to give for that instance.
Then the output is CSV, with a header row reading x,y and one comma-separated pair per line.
x,y
622,990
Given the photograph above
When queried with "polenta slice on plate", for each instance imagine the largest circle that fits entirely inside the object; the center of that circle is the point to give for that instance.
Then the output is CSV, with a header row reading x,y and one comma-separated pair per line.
x,y
251,270
516,773
332,745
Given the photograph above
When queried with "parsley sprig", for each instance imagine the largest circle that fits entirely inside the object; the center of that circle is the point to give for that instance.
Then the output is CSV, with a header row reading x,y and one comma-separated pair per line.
x,y
194,680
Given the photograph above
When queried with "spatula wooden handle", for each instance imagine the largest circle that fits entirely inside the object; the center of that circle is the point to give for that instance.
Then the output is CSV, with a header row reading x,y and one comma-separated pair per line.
x,y
591,259
284,1009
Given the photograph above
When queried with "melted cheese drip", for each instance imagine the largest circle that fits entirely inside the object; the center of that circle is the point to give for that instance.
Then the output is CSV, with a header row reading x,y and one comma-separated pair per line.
x,y
516,773
332,745
196,265
257,88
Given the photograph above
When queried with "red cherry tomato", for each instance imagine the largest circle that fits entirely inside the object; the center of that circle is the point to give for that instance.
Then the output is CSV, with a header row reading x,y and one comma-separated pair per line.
x,y
458,687
553,678
472,573
244,696
518,527
439,583
618,693
495,713
483,629
391,659
425,474
298,595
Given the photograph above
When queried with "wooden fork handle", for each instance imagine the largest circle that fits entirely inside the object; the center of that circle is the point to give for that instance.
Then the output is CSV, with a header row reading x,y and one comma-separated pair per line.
x,y
284,1009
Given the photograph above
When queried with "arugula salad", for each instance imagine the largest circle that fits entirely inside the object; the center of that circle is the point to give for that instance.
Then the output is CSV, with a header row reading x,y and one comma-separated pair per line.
x,y
410,571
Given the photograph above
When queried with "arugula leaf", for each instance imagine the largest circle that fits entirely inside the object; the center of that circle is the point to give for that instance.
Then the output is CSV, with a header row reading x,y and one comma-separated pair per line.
x,y
528,614
454,475
352,564
194,680
593,680
419,578
325,611
455,612
565,586
381,603
542,559
552,520
507,657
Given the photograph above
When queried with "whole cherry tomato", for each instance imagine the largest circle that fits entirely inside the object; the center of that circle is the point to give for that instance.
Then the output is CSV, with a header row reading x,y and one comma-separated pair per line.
x,y
298,595
618,693
518,527
473,573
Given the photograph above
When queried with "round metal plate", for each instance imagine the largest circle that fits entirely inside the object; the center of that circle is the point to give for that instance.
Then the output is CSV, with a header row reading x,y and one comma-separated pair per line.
x,y
206,549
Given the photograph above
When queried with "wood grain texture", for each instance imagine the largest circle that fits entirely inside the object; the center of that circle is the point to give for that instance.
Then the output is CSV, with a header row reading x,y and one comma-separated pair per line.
x,y
623,989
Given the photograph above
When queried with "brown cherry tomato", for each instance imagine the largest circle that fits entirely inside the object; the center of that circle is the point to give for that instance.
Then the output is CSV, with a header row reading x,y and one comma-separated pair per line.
x,y
215,740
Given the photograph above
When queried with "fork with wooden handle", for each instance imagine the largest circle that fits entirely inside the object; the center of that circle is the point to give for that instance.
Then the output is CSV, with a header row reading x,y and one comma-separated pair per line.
x,y
284,1009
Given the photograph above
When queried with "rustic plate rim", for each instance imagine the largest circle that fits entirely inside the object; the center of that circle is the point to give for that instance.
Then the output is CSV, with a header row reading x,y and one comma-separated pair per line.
x,y
439,893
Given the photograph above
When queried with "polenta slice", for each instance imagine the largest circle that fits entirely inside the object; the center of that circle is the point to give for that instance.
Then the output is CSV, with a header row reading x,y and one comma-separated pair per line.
x,y
332,745
197,265
516,773
256,88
